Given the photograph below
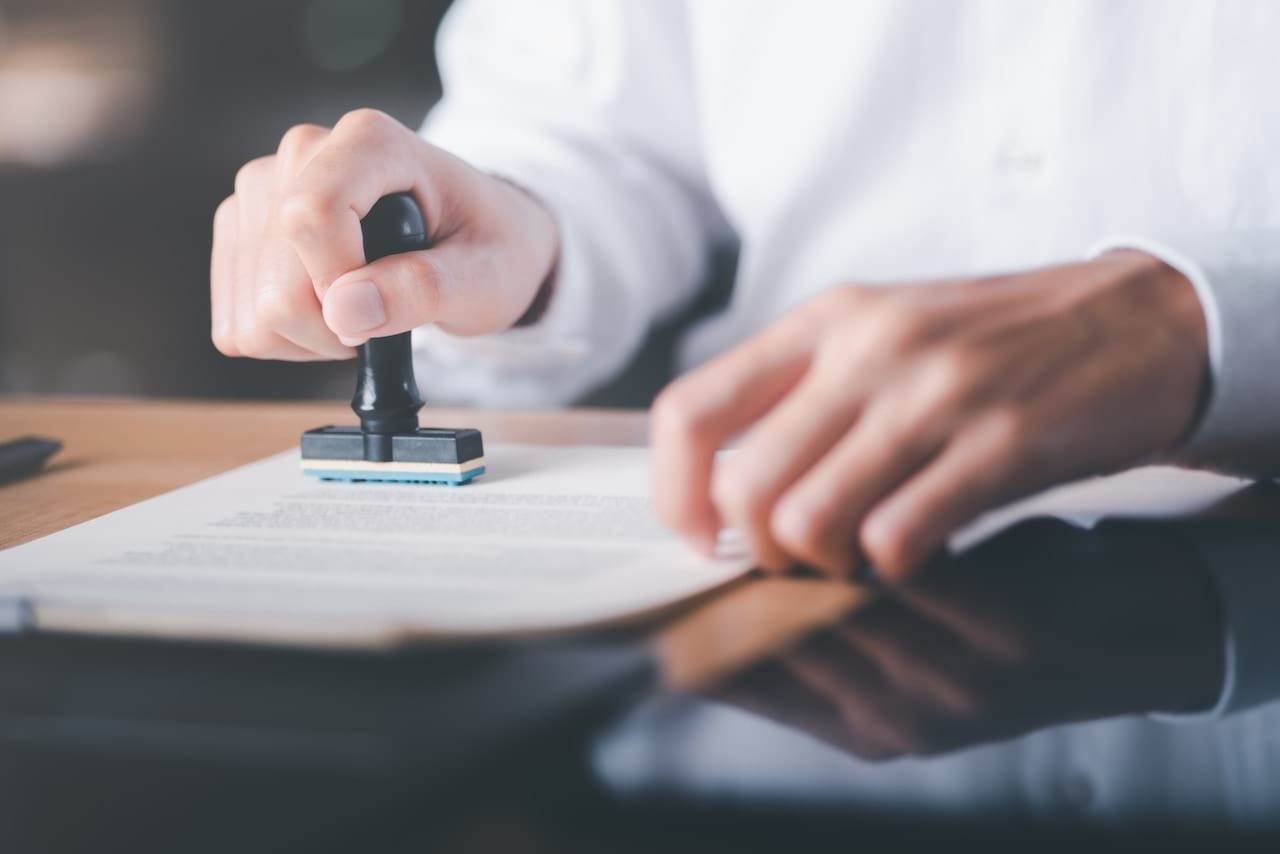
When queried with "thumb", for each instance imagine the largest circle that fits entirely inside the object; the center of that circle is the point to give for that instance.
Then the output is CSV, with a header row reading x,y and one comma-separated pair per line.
x,y
391,295
445,285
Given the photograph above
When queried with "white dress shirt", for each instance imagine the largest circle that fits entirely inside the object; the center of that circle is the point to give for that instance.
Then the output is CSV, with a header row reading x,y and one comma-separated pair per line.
x,y
879,142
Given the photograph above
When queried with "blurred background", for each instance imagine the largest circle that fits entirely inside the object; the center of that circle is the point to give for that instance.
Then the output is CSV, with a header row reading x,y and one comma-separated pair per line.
x,y
122,124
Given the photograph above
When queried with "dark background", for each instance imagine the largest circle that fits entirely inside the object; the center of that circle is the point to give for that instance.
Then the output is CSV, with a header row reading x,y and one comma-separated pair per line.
x,y
105,225
122,124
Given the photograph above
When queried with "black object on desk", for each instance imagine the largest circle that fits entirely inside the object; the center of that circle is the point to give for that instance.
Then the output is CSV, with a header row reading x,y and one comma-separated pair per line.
x,y
24,457
389,445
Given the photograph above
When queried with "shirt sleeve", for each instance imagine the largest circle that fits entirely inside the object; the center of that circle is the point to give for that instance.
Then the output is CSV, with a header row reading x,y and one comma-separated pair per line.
x,y
1236,275
1245,566
1237,278
589,106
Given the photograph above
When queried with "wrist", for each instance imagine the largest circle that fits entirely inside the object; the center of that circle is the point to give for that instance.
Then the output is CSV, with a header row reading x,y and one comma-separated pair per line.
x,y
546,237
541,299
1164,288
1158,289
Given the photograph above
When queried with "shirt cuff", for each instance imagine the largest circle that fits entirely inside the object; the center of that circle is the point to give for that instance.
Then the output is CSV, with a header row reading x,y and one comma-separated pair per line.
x,y
526,366
1245,566
1237,279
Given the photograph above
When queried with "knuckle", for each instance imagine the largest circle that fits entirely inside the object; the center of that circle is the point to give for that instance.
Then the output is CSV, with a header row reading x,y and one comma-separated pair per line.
x,y
305,213
948,378
252,339
252,174
802,529
299,139
421,270
836,303
1009,441
225,343
276,307
225,214
678,413
421,285
838,347
839,368
950,369
1009,431
418,267
850,298
367,121
897,327
888,549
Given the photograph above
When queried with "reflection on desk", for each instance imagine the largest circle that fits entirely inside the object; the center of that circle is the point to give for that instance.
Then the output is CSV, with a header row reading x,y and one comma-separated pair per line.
x,y
1012,681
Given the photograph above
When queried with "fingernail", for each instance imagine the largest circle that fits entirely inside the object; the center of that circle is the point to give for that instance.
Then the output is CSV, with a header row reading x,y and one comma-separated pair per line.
x,y
726,543
355,308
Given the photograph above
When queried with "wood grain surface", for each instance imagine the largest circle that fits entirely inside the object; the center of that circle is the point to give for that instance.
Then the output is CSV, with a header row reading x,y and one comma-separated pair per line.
x,y
119,452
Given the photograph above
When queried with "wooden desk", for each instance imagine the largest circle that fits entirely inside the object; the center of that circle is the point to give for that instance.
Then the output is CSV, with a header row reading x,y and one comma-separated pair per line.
x,y
119,452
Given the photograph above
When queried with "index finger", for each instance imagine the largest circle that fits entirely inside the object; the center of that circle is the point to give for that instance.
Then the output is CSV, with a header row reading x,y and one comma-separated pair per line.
x,y
698,413
367,156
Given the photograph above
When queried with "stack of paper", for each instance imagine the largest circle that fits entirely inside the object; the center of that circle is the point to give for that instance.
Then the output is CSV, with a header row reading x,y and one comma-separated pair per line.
x,y
550,539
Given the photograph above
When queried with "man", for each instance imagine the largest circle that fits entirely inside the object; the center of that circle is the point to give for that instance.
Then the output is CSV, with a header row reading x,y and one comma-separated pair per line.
x,y
986,248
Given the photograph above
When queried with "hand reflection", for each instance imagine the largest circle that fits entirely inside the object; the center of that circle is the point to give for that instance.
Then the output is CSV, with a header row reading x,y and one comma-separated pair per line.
x,y
1044,624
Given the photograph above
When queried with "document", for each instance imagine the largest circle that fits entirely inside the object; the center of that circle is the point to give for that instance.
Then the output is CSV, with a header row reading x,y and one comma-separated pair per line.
x,y
549,539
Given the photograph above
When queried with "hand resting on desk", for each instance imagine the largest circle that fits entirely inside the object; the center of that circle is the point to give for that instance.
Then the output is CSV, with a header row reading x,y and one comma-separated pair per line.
x,y
879,420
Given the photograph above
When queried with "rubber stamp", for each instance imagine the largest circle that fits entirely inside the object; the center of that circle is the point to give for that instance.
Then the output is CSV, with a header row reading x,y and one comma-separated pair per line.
x,y
389,445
